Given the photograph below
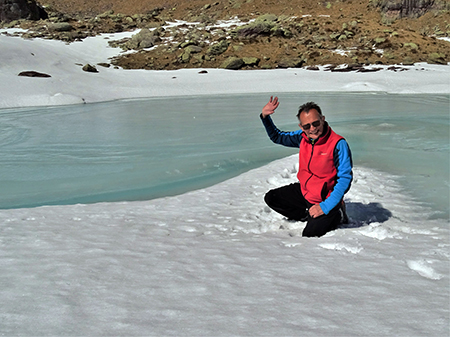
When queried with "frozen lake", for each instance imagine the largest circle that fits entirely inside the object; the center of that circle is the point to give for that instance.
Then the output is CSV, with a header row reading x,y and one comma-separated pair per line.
x,y
143,149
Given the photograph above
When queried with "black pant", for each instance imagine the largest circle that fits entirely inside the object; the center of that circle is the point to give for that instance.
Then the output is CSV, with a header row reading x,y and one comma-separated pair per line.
x,y
290,202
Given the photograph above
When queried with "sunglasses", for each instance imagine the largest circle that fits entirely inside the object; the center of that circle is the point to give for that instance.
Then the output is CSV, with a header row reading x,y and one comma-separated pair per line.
x,y
308,126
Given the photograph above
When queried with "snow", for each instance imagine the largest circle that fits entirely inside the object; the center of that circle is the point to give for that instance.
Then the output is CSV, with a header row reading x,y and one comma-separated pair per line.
x,y
216,261
70,85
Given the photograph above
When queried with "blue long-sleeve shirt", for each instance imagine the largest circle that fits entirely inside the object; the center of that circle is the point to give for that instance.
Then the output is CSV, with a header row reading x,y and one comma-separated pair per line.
x,y
342,161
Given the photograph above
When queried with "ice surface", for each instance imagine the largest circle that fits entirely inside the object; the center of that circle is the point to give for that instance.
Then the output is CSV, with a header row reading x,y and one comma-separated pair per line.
x,y
142,149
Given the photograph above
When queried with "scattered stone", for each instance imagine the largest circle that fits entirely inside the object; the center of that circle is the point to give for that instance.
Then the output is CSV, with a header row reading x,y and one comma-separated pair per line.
x,y
394,68
185,57
368,70
314,68
397,9
267,18
33,73
289,41
233,63
60,27
411,45
202,72
193,49
251,61
408,61
349,67
90,68
437,58
265,25
218,48
291,63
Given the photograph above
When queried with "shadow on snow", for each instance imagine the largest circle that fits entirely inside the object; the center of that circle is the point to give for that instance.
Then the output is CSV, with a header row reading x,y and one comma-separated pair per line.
x,y
364,214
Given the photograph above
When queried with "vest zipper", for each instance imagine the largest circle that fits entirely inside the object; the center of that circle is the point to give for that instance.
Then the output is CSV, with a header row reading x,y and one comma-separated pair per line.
x,y
309,163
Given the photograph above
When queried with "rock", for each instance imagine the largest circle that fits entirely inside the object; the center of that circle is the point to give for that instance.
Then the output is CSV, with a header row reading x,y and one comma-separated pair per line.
x,y
21,9
394,68
437,58
144,39
90,69
291,63
263,25
335,35
407,61
411,45
254,29
192,49
382,42
147,42
103,64
106,14
33,73
237,48
60,27
185,57
233,63
396,9
349,67
218,48
251,61
267,18
368,70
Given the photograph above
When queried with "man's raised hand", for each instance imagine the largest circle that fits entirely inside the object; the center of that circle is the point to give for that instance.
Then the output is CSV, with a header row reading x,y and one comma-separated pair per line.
x,y
270,107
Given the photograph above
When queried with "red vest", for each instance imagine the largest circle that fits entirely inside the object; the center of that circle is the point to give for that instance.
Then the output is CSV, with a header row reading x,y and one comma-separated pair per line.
x,y
317,173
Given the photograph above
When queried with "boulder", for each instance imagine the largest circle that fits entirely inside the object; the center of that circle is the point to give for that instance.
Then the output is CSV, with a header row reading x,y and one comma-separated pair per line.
x,y
291,63
218,48
144,39
395,9
411,46
32,73
21,9
254,29
90,68
191,49
251,61
60,27
437,58
264,25
233,63
185,57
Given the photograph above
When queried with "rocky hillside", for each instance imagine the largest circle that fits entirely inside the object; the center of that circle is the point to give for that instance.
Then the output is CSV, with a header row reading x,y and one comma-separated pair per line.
x,y
267,34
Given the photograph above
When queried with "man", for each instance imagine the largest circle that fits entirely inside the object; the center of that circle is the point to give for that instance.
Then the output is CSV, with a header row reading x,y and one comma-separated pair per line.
x,y
325,171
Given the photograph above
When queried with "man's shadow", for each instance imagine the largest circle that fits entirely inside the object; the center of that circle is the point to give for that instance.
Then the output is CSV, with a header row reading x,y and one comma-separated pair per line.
x,y
364,214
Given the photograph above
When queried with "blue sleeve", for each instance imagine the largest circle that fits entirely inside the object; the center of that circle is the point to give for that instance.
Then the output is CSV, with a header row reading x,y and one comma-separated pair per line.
x,y
343,163
291,139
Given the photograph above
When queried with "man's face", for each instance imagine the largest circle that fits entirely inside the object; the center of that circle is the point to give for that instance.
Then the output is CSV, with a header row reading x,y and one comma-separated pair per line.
x,y
312,123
